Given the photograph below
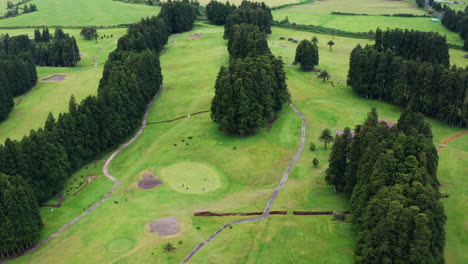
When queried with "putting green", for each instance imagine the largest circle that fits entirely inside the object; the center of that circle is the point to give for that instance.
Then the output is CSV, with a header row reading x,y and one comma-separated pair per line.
x,y
120,245
191,177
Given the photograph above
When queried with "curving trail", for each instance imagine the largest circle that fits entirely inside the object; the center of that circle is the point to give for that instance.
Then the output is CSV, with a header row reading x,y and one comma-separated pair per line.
x,y
450,139
266,211
106,173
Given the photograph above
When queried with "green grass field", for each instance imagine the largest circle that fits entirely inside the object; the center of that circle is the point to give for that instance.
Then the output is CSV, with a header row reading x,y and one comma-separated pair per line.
x,y
370,7
247,174
80,13
240,173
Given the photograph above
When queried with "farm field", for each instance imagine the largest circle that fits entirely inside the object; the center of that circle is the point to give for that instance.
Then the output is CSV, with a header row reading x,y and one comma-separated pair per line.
x,y
249,182
201,168
370,7
80,13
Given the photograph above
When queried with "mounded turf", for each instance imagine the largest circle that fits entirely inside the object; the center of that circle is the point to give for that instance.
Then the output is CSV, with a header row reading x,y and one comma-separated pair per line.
x,y
191,177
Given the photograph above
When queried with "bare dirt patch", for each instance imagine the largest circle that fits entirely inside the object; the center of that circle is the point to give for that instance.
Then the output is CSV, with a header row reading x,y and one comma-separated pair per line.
x,y
149,181
450,139
197,35
54,78
165,226
387,123
82,55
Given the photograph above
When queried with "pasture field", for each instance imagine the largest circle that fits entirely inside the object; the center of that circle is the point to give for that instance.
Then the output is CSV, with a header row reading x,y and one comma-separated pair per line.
x,y
370,7
46,97
248,170
270,3
366,23
80,13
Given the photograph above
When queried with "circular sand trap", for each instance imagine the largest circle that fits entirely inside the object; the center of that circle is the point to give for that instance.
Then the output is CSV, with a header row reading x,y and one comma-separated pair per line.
x,y
165,226
149,181
54,78
191,177
197,35
120,245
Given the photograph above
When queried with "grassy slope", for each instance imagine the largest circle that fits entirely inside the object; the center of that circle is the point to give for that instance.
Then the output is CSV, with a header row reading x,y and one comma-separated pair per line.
x,y
247,174
53,97
81,13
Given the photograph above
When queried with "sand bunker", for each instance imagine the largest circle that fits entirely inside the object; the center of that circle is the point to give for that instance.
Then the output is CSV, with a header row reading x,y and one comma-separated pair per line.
x,y
165,226
54,78
149,181
82,55
195,35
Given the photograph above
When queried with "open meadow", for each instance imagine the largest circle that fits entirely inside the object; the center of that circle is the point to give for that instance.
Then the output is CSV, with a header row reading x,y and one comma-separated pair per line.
x,y
201,168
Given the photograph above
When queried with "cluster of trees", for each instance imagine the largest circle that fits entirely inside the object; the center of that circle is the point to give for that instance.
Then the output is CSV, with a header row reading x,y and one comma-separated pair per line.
x,y
217,12
389,173
307,54
432,89
17,71
411,45
457,22
15,9
179,15
89,33
57,50
258,14
44,159
253,87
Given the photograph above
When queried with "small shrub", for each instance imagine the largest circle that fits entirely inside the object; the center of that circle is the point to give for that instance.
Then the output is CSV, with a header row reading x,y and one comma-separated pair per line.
x,y
181,242
312,146
175,145
282,38
234,148
230,227
183,140
187,144
315,161
339,215
190,137
198,228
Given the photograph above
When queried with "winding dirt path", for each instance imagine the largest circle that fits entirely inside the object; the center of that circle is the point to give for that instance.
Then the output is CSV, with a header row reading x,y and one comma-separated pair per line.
x,y
178,118
106,173
450,139
266,211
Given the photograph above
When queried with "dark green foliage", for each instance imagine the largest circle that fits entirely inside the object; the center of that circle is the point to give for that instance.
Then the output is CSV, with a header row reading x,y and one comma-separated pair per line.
x,y
307,55
248,93
247,40
6,103
89,33
59,50
326,137
19,215
336,172
456,21
391,176
312,146
254,13
331,43
179,15
315,162
412,45
432,89
217,12
324,75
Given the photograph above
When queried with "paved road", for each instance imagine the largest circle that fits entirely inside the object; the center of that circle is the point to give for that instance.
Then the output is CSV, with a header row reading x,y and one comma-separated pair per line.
x,y
435,13
266,211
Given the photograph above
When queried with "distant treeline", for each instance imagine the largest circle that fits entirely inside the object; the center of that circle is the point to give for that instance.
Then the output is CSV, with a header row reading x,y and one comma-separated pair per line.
x,y
252,89
385,73
14,9
47,157
457,22
390,175
394,15
17,70
57,50
254,13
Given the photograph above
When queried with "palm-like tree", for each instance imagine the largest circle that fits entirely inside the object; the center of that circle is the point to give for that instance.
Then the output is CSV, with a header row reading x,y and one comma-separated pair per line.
x,y
331,43
169,248
326,137
324,75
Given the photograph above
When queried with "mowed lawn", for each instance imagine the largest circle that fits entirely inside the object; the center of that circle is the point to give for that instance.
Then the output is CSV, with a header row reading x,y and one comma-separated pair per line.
x,y
371,7
81,13
46,97
366,23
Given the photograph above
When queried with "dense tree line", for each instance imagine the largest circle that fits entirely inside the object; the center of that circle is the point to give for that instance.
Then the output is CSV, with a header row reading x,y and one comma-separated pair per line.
x,y
258,14
57,50
411,45
253,87
17,71
46,157
457,22
390,175
307,55
247,40
14,10
179,15
217,12
432,89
